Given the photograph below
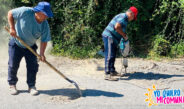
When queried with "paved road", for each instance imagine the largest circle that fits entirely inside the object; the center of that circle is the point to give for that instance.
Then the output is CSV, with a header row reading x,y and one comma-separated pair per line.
x,y
127,93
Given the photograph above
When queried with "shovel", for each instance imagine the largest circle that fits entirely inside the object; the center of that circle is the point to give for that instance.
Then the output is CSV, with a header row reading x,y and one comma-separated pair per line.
x,y
50,65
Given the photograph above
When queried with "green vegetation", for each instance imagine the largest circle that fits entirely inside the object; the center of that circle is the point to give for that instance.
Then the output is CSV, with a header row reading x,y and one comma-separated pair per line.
x,y
161,47
4,7
77,26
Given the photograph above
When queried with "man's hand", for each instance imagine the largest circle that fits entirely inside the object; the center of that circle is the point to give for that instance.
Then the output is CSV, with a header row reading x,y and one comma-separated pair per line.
x,y
125,38
42,58
42,50
13,32
118,28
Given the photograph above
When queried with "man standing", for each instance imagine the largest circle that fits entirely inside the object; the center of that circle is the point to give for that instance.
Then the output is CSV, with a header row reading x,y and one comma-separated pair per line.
x,y
31,24
112,36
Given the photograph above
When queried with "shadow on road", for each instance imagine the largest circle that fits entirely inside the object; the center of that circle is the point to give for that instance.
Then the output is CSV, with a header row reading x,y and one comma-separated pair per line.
x,y
148,76
73,94
99,68
92,92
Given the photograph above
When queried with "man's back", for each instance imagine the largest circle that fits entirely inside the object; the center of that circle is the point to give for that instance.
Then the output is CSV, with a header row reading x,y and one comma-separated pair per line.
x,y
110,29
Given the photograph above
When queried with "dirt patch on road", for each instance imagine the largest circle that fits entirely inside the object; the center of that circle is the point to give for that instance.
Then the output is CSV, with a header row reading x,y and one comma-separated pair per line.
x,y
66,94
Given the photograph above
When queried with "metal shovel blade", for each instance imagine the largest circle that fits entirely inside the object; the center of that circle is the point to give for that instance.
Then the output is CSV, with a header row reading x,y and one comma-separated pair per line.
x,y
75,84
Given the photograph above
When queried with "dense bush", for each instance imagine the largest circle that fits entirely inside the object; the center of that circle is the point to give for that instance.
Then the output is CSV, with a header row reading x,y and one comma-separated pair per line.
x,y
177,50
161,47
77,25
4,7
169,15
82,22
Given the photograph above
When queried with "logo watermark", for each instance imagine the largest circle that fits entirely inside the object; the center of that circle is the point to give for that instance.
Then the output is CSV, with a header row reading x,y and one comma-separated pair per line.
x,y
169,96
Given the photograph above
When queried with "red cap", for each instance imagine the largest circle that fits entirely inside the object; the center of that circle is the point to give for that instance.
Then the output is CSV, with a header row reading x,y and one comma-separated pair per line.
x,y
135,11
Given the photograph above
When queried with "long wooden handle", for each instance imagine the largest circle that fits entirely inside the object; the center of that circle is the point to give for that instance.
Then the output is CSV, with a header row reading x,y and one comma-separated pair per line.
x,y
38,56
23,43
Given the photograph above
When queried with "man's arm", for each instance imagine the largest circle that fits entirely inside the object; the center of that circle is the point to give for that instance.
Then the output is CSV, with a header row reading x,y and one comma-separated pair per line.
x,y
118,28
42,50
11,24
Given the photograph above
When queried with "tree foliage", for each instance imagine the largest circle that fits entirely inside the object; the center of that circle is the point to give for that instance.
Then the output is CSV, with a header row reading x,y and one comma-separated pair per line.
x,y
78,24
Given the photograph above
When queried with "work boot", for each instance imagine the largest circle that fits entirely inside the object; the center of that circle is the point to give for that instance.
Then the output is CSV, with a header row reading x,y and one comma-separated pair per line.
x,y
115,73
13,90
110,78
33,91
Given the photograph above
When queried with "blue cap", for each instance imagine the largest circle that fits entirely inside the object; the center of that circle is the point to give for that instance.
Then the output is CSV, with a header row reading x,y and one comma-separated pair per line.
x,y
45,8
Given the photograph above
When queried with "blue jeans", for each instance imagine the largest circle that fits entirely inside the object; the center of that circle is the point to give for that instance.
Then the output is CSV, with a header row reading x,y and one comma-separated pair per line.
x,y
110,49
16,53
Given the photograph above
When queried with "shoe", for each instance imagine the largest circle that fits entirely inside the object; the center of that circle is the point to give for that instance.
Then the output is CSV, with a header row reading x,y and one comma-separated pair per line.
x,y
110,78
115,73
13,90
33,91
107,76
